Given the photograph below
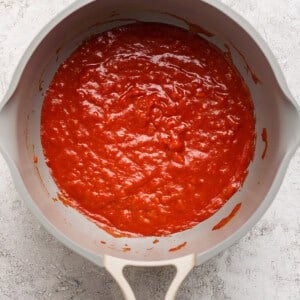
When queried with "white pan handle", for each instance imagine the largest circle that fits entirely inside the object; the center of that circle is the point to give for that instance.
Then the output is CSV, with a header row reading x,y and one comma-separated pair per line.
x,y
116,265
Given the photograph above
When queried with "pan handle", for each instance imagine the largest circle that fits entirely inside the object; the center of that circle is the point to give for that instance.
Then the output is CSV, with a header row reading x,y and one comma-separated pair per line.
x,y
116,265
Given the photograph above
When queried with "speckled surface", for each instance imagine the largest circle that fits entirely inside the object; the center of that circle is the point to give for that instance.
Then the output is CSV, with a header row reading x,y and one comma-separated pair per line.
x,y
263,265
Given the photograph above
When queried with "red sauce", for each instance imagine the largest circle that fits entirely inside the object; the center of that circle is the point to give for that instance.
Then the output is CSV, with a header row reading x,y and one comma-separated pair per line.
x,y
254,77
147,129
178,247
41,82
264,137
195,28
155,241
224,221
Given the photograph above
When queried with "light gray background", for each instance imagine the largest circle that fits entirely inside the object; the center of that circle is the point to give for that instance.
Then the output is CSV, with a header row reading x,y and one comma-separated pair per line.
x,y
263,265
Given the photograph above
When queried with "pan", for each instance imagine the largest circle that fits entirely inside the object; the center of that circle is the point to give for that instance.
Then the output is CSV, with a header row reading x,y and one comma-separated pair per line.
x,y
277,133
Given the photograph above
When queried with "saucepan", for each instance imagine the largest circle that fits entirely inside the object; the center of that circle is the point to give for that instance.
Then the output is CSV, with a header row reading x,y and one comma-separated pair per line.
x,y
277,133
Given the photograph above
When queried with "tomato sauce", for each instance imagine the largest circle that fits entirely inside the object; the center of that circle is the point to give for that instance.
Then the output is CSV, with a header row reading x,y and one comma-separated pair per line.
x,y
148,129
178,247
264,137
225,220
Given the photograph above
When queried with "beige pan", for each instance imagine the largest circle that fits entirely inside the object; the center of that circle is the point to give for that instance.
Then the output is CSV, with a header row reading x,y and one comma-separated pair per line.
x,y
275,110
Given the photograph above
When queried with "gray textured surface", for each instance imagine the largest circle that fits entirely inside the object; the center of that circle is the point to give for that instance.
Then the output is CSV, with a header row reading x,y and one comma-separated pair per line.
x,y
263,265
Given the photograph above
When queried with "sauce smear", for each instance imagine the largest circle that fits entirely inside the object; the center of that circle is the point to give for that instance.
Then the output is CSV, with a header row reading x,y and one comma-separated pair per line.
x,y
264,137
178,247
147,129
225,220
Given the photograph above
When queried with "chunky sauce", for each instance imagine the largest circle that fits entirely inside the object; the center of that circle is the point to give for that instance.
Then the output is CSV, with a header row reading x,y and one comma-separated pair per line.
x,y
147,129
